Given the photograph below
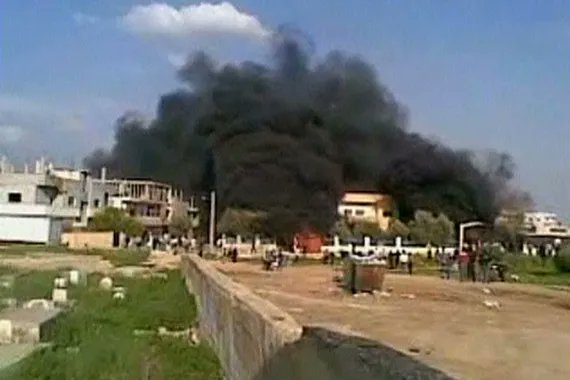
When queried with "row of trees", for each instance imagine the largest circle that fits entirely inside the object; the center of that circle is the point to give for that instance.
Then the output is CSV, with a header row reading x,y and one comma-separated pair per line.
x,y
425,228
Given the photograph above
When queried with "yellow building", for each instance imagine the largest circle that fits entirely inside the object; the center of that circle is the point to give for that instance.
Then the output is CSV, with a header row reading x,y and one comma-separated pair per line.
x,y
369,207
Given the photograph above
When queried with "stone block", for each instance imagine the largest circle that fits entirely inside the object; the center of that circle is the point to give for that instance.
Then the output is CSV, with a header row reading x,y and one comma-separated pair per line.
x,y
5,331
60,282
59,295
74,277
106,283
40,302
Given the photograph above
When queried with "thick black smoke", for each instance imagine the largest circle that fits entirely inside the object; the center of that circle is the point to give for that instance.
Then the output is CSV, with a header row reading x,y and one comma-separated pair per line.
x,y
288,138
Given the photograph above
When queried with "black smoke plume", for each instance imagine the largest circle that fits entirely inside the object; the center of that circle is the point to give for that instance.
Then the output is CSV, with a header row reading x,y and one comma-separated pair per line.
x,y
289,137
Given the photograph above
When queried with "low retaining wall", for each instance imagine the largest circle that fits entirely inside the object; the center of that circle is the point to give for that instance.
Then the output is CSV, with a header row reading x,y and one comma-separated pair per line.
x,y
243,329
80,240
254,339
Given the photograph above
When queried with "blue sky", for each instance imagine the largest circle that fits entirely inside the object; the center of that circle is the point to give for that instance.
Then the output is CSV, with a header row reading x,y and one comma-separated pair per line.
x,y
473,74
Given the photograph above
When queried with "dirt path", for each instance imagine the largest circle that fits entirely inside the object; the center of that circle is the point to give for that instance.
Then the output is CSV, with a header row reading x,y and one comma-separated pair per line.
x,y
528,337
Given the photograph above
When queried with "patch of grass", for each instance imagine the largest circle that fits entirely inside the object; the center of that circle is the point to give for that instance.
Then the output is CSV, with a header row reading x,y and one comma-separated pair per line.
x,y
22,249
121,257
96,339
27,285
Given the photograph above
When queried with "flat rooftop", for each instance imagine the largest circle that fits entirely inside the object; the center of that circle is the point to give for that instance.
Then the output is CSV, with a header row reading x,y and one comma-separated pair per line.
x,y
528,337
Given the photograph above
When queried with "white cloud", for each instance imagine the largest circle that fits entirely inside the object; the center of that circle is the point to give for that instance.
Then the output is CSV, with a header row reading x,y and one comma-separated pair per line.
x,y
11,133
163,20
81,18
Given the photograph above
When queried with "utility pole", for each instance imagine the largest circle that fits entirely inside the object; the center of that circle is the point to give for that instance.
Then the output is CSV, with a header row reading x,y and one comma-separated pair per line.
x,y
212,219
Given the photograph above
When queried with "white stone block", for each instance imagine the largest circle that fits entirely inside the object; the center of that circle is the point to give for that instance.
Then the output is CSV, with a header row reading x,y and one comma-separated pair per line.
x,y
60,282
74,277
5,331
59,295
106,283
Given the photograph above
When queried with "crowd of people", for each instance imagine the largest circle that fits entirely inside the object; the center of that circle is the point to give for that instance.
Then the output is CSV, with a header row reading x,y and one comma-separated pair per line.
x,y
472,263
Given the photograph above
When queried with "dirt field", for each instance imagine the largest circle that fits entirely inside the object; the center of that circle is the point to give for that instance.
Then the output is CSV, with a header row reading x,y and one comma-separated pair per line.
x,y
527,337
86,263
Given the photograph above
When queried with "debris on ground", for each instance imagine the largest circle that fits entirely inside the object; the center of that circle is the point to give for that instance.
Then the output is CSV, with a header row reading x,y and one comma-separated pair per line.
x,y
486,290
408,296
414,350
515,277
492,304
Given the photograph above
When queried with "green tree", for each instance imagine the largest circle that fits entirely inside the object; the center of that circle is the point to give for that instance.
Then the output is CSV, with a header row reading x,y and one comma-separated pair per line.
x,y
398,228
428,229
562,260
181,224
508,228
242,222
113,219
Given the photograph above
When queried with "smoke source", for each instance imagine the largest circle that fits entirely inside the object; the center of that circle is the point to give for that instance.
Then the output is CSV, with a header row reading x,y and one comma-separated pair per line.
x,y
289,137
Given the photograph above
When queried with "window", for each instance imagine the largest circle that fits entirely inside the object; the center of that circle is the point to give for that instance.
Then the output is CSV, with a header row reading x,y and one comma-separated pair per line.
x,y
96,203
14,197
71,201
387,214
359,212
347,212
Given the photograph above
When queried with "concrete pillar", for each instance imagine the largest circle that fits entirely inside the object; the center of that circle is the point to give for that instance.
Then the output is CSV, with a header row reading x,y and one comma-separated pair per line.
x,y
336,241
398,242
367,241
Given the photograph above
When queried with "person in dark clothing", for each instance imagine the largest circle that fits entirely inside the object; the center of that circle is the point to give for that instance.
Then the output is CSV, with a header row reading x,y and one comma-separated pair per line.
x,y
410,263
429,254
397,259
234,255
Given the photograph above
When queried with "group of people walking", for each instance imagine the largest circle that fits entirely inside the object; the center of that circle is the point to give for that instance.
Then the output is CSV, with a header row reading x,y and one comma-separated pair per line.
x,y
473,263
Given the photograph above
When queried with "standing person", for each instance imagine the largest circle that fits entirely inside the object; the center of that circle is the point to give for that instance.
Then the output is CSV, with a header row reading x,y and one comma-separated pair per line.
x,y
398,253
391,260
410,263
463,261
485,260
404,259
471,264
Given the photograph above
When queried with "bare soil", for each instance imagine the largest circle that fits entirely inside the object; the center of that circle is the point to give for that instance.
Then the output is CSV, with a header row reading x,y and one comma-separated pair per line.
x,y
443,322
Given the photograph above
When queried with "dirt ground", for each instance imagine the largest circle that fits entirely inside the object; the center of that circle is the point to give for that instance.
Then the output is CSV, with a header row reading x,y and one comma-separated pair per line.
x,y
527,337
86,263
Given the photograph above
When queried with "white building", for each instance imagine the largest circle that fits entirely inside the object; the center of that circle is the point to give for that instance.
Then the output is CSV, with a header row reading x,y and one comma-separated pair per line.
x,y
545,224
27,209
36,207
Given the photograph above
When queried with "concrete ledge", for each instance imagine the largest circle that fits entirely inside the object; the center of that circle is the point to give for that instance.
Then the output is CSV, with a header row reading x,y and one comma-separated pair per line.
x,y
244,329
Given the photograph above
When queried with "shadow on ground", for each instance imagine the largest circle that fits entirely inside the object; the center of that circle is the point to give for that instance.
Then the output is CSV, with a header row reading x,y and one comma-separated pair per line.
x,y
322,354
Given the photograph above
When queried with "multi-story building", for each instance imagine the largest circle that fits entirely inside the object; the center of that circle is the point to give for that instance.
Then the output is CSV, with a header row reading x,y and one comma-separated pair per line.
x,y
59,198
544,224
369,207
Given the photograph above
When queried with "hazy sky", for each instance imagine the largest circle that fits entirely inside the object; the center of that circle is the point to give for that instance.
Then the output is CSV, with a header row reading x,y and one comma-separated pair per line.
x,y
473,74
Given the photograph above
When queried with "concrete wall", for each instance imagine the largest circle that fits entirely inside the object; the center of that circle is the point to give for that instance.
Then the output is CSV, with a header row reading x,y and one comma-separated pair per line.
x,y
243,329
78,240
256,340
29,229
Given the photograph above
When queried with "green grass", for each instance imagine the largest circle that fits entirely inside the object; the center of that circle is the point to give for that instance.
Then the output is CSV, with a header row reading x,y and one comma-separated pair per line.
x,y
120,257
534,271
95,340
23,249
117,257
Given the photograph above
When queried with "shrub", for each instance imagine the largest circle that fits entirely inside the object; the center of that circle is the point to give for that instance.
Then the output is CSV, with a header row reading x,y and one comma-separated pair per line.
x,y
562,260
